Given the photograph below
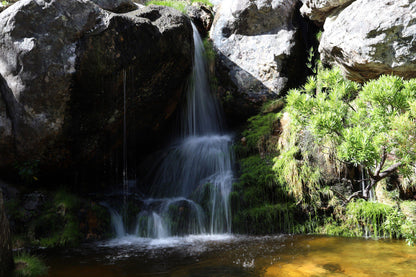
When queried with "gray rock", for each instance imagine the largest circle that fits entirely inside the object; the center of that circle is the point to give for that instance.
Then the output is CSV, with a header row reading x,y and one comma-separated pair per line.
x,y
118,6
6,255
254,40
63,69
319,10
367,46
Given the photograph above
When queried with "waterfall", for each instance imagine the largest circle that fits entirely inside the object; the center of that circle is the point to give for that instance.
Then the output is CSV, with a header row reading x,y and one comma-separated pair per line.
x,y
190,191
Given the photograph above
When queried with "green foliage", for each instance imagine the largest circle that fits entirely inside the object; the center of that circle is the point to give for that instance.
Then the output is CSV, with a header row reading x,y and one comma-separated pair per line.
x,y
209,51
372,217
58,226
28,171
360,126
29,266
178,4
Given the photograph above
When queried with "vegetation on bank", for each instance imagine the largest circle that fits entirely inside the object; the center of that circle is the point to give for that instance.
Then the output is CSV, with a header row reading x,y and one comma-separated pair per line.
x,y
334,143
29,266
179,5
55,219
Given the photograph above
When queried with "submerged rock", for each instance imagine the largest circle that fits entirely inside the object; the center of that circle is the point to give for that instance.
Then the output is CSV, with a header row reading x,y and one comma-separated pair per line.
x,y
255,41
367,46
64,66
319,10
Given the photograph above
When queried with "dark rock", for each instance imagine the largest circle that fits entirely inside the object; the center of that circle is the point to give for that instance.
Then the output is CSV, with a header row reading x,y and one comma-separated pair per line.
x,y
6,255
63,68
34,201
37,61
117,6
202,16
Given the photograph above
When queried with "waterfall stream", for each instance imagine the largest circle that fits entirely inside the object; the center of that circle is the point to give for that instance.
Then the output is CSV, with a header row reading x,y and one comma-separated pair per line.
x,y
190,191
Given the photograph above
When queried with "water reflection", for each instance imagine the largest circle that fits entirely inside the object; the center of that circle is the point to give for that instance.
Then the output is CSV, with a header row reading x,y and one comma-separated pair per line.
x,y
236,256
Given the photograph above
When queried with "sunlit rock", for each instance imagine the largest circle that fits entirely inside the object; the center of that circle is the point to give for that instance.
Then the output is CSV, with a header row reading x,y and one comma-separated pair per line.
x,y
318,10
370,38
255,41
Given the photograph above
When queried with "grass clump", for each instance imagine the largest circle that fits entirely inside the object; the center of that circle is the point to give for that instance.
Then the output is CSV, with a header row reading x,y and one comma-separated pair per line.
x,y
179,5
29,266
58,226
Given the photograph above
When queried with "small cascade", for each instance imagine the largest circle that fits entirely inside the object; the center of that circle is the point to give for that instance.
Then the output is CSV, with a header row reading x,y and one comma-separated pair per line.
x,y
116,221
191,185
371,196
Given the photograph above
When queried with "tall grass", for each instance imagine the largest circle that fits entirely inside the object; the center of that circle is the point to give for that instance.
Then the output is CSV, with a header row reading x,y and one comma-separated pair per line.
x,y
29,266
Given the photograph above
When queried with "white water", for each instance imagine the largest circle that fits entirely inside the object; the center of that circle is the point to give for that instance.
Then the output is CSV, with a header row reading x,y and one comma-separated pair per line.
x,y
189,195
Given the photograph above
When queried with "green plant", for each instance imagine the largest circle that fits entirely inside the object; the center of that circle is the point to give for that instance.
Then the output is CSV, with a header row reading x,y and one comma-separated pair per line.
x,y
29,266
28,170
361,127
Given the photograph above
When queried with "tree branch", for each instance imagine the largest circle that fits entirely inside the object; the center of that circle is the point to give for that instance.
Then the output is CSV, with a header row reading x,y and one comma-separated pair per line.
x,y
391,169
343,198
381,164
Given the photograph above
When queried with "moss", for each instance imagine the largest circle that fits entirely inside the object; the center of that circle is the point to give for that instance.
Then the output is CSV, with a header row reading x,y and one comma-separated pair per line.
x,y
259,133
29,266
260,204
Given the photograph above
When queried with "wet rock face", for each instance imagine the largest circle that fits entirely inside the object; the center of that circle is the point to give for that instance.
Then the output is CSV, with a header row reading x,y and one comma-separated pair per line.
x,y
64,67
319,10
255,41
367,46
6,256
37,60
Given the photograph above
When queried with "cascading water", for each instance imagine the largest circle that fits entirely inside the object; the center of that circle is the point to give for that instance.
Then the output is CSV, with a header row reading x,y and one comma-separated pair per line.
x,y
190,192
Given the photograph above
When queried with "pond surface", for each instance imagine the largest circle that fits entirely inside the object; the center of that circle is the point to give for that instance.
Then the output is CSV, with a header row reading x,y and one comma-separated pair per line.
x,y
227,255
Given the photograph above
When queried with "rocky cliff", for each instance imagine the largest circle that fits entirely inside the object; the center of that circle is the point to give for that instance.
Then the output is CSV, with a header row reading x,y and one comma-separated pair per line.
x,y
68,68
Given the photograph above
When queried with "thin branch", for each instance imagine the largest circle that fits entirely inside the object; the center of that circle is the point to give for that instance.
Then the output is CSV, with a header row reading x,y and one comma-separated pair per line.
x,y
381,164
349,105
343,198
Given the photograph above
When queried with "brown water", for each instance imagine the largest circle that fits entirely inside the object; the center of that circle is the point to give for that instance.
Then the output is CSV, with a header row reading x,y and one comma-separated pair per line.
x,y
236,256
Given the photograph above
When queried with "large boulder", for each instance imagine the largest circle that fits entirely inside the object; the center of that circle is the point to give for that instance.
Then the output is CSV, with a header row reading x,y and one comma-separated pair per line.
x,y
118,6
71,72
367,46
255,41
6,255
319,10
